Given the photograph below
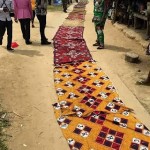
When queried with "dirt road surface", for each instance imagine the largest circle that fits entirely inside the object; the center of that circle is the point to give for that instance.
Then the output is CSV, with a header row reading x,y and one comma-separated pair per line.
x,y
27,88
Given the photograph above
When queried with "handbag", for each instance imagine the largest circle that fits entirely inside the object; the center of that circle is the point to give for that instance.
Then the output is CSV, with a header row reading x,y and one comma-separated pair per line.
x,y
11,14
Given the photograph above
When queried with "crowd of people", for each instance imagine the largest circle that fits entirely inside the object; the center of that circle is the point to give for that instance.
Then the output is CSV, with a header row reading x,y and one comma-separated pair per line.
x,y
24,12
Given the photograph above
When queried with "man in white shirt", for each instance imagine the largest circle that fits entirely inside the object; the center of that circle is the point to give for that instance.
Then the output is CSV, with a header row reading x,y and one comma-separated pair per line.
x,y
6,6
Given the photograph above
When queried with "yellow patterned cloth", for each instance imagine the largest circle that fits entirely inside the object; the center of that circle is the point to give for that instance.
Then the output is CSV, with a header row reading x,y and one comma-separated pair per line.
x,y
90,112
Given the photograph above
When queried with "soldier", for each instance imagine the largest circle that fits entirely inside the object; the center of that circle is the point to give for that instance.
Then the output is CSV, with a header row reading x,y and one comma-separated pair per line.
x,y
101,8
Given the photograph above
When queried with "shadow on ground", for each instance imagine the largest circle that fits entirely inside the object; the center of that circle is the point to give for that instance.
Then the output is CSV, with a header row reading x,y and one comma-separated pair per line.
x,y
38,43
29,53
117,49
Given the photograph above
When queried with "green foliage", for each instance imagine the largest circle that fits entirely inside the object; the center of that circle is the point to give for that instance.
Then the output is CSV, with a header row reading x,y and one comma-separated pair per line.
x,y
2,145
4,123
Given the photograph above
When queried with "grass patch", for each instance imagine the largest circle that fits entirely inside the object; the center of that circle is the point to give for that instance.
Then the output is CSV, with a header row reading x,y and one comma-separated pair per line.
x,y
4,123
54,8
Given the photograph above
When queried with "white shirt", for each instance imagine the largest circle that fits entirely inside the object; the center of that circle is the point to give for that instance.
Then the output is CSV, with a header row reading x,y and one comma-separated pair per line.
x,y
5,15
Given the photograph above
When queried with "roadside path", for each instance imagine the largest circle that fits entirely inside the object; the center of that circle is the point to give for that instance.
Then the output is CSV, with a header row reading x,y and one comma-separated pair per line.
x,y
27,88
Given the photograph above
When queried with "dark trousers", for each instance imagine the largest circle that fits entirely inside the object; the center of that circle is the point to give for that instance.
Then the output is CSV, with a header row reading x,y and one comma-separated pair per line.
x,y
25,28
3,26
64,3
69,1
33,16
42,21
49,2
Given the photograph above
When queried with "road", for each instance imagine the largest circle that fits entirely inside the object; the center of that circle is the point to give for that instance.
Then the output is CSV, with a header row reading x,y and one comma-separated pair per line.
x,y
27,88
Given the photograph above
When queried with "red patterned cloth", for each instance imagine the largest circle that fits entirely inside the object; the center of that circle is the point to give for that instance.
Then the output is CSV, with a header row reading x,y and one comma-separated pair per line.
x,y
69,33
70,44
80,5
76,16
67,51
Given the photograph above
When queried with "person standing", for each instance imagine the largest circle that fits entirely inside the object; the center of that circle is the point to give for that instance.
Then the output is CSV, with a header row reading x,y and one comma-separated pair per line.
x,y
33,11
23,13
64,3
6,22
49,2
41,12
101,8
69,2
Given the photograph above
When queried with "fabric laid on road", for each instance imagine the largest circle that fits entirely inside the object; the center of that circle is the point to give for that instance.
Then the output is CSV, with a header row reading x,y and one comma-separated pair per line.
x,y
73,23
69,33
74,16
89,110
70,51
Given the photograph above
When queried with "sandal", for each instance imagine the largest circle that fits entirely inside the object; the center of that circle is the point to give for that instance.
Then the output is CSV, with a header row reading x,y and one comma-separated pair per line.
x,y
100,47
96,44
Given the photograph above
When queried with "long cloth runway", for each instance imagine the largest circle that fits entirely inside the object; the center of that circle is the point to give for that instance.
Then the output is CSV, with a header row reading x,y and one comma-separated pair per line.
x,y
89,110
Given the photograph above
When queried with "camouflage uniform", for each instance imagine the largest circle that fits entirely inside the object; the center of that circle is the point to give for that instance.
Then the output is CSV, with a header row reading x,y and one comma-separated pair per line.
x,y
100,14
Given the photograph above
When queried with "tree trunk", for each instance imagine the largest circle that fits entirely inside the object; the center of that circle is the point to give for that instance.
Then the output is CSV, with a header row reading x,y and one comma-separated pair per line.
x,y
148,78
144,81
115,11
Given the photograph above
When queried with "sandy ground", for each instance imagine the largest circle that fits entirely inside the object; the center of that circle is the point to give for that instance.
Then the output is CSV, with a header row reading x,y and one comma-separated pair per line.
x,y
117,45
138,35
27,88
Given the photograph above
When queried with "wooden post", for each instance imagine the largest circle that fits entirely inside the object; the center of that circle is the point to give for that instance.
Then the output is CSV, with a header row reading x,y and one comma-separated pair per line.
x,y
148,78
135,22
148,18
115,11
